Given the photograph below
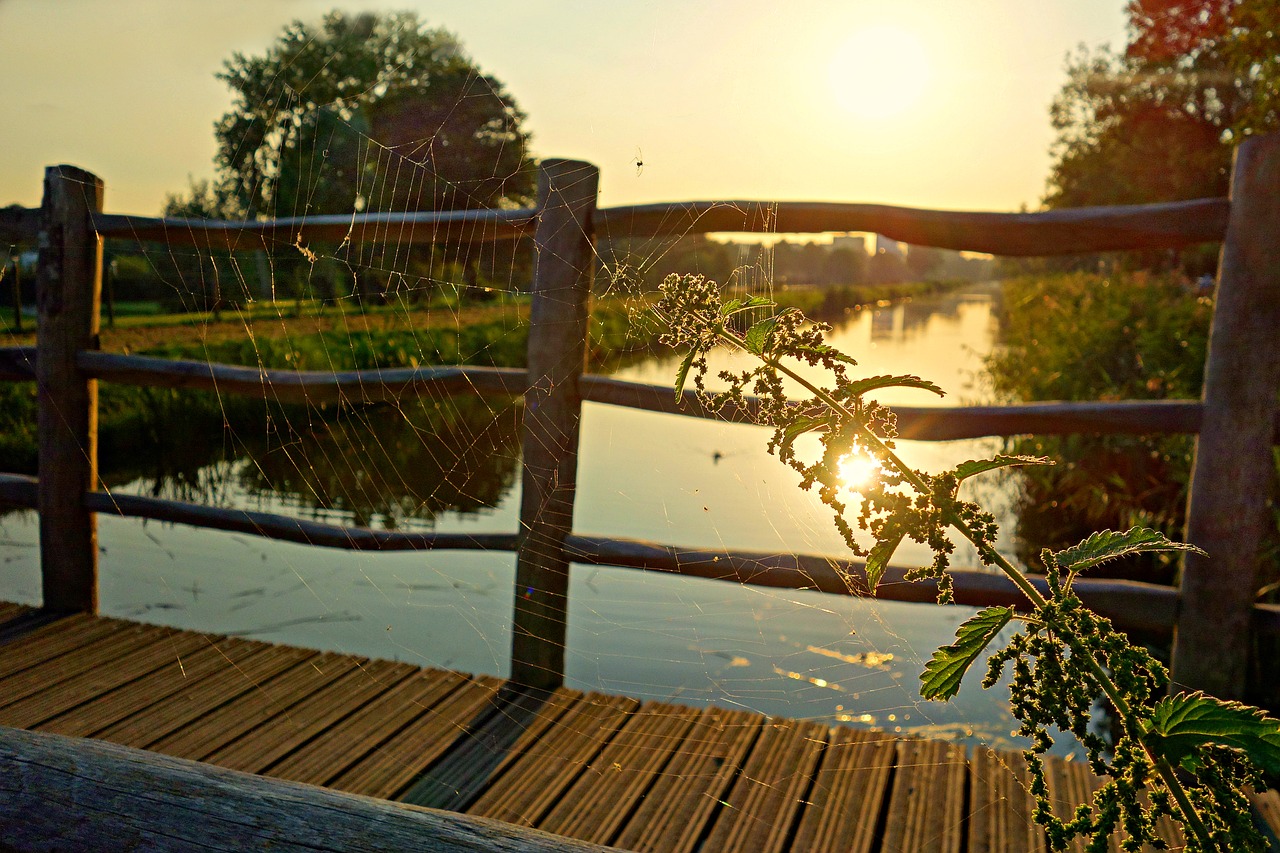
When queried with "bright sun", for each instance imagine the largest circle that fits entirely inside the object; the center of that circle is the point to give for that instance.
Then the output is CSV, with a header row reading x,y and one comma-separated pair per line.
x,y
857,471
879,72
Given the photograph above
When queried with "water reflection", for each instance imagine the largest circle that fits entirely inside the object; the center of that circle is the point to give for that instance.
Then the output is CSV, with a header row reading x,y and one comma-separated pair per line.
x,y
383,466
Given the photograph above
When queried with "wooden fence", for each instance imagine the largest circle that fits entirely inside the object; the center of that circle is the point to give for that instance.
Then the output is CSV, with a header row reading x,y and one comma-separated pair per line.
x,y
1213,614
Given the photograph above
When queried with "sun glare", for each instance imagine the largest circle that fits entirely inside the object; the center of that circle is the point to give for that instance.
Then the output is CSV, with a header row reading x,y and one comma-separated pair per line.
x,y
857,471
879,72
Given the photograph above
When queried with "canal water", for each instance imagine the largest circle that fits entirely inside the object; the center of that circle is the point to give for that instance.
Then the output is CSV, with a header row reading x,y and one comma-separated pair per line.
x,y
661,478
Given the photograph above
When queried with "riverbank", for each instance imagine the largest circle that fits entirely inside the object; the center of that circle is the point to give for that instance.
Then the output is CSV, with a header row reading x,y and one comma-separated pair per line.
x,y
159,421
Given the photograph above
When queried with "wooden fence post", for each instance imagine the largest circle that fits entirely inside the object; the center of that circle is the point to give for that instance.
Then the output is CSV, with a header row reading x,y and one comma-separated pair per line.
x,y
562,275
69,289
1228,510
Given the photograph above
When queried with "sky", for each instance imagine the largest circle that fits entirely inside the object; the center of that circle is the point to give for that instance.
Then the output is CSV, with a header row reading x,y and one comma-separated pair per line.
x,y
926,103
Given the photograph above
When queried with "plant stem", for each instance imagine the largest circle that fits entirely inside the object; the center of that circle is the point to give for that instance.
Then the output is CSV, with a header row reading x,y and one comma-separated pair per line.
x,y
991,556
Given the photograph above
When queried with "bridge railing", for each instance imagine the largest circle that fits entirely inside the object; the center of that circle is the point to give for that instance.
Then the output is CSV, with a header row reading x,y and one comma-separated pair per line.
x,y
1213,613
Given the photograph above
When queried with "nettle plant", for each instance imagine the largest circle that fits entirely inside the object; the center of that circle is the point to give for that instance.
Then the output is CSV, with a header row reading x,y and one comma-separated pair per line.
x,y
1190,756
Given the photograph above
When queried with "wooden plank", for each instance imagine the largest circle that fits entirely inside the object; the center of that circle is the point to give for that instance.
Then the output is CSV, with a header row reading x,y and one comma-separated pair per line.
x,y
675,814
926,805
176,675
254,708
564,263
1001,805
271,741
59,793
196,699
347,742
612,785
1229,510
56,638
551,764
517,720
1054,232
9,611
105,651
68,291
849,792
57,697
761,809
390,768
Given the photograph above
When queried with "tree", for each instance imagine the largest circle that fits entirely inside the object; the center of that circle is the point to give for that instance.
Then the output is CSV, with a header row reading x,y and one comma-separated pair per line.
x,y
1157,121
368,112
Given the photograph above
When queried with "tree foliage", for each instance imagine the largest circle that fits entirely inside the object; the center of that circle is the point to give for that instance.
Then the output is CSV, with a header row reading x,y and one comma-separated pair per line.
x,y
1156,121
368,112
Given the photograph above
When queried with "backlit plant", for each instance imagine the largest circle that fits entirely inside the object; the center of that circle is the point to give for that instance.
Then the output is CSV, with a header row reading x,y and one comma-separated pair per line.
x,y
1194,756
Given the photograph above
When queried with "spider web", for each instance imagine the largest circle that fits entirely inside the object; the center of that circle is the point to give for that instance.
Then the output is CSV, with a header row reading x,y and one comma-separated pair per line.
x,y
452,464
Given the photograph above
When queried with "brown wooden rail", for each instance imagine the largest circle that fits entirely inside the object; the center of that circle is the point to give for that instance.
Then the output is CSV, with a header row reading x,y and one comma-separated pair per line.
x,y
1058,232
1236,423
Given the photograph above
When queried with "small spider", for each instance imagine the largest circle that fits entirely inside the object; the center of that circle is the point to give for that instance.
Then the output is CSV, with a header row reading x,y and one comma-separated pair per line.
x,y
639,161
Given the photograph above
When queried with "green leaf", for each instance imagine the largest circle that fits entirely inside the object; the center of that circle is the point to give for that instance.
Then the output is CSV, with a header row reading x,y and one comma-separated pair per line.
x,y
858,387
683,373
942,675
801,425
757,336
1180,725
878,559
1110,545
966,470
737,306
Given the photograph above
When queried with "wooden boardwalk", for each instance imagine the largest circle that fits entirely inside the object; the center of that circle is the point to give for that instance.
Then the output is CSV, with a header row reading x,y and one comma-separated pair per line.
x,y
607,769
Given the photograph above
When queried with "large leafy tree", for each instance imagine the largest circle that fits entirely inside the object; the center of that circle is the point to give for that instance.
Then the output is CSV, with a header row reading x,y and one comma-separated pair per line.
x,y
1156,121
368,112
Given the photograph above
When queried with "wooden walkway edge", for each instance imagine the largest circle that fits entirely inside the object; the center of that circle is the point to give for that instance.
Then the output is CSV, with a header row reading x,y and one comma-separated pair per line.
x,y
607,770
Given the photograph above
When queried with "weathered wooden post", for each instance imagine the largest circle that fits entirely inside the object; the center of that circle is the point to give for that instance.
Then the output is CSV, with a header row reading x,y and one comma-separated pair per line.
x,y
1228,510
69,290
562,274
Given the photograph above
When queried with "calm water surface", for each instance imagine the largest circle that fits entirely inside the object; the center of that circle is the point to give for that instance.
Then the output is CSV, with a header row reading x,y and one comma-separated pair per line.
x,y
657,477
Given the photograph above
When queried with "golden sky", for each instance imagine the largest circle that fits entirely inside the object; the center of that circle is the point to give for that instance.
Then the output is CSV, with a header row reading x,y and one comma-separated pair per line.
x,y
932,103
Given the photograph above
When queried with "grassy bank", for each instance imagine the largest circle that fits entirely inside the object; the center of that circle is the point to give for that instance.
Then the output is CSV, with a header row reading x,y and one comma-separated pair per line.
x,y
136,420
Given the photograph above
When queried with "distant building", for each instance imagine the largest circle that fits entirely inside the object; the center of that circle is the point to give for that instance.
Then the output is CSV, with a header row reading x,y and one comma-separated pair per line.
x,y
856,242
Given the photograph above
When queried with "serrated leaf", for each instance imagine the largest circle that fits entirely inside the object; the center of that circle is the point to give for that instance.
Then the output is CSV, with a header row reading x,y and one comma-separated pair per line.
x,y
1110,545
737,306
943,673
859,387
878,559
758,336
968,469
683,373
800,426
1180,725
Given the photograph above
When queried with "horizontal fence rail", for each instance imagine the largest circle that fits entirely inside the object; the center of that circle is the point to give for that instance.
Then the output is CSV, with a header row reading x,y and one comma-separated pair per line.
x,y
1056,232
916,423
1131,604
453,226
